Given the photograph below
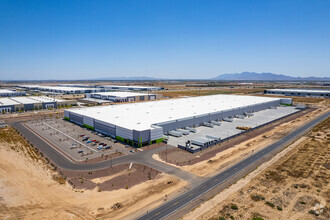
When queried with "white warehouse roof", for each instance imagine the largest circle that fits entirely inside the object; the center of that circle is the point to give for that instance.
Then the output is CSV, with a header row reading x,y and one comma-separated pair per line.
x,y
300,90
26,100
140,116
121,94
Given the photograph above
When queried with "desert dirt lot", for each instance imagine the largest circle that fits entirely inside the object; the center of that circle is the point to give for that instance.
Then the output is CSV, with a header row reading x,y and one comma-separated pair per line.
x,y
296,186
31,189
211,161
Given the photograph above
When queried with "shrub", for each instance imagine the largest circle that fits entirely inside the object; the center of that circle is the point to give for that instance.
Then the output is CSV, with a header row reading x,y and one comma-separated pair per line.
x,y
270,204
257,218
222,218
234,207
279,208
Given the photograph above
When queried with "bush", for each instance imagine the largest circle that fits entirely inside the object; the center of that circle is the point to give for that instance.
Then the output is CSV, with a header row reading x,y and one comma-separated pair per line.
x,y
270,204
279,208
257,218
222,218
234,207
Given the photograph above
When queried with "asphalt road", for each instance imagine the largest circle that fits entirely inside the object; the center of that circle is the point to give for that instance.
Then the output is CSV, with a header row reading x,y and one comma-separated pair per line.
x,y
144,158
179,202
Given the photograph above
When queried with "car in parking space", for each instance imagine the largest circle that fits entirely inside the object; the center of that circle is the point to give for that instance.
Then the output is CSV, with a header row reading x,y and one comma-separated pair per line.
x,y
93,144
74,143
132,151
82,135
81,151
93,140
100,148
104,144
107,147
101,143
96,142
87,142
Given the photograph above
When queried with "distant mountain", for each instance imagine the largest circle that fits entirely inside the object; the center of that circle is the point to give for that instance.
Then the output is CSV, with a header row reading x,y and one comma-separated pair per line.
x,y
129,78
265,76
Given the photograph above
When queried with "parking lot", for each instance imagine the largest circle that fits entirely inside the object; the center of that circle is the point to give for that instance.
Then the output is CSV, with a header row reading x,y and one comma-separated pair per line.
x,y
227,129
77,142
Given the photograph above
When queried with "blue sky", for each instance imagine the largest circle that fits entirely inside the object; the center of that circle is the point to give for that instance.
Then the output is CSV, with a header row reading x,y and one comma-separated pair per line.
x,y
77,39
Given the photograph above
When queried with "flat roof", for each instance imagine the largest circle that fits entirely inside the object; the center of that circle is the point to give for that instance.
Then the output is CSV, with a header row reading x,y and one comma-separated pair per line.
x,y
300,90
59,88
140,116
121,94
3,91
136,87
26,100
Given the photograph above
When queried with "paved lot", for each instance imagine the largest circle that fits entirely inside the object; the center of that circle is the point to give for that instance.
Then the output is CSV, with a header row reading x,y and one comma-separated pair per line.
x,y
66,136
227,129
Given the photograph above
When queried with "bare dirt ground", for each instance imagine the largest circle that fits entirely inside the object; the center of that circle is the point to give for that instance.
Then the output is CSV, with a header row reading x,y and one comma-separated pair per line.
x,y
209,162
31,189
117,177
294,186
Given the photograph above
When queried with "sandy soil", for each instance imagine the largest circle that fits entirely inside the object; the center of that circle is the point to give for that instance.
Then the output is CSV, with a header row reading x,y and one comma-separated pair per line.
x,y
244,149
293,185
28,190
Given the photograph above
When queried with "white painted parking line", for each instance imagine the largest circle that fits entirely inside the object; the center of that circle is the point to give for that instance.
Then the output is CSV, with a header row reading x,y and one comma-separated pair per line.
x,y
69,137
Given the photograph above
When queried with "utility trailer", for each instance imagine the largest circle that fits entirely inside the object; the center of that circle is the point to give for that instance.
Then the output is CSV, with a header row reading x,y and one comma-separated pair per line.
x,y
175,133
227,119
185,132
218,123
210,125
193,130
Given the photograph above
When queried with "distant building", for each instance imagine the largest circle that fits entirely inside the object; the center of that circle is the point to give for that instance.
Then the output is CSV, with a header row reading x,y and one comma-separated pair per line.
x,y
10,93
122,96
130,88
298,92
17,104
63,90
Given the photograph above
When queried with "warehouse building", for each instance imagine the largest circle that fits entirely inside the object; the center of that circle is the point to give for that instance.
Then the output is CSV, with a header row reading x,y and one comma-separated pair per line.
x,y
145,122
63,90
298,92
17,104
130,88
122,96
10,93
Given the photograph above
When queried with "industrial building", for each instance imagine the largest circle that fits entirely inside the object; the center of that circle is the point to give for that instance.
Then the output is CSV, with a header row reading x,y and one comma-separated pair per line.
x,y
145,122
10,93
130,88
63,90
122,96
17,104
298,92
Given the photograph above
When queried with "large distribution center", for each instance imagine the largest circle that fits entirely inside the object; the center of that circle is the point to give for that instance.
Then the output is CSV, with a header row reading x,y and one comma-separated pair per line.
x,y
298,92
16,104
146,122
130,88
10,93
122,96
65,90
116,87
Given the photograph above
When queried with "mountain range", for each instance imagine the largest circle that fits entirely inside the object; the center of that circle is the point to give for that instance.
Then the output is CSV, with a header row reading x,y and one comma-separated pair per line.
x,y
232,77
266,77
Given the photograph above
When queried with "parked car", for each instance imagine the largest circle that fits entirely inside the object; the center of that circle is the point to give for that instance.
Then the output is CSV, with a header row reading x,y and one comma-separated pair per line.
x,y
87,142
107,147
132,151
85,139
74,143
93,140
81,151
104,144
96,142
100,148
82,135
101,143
